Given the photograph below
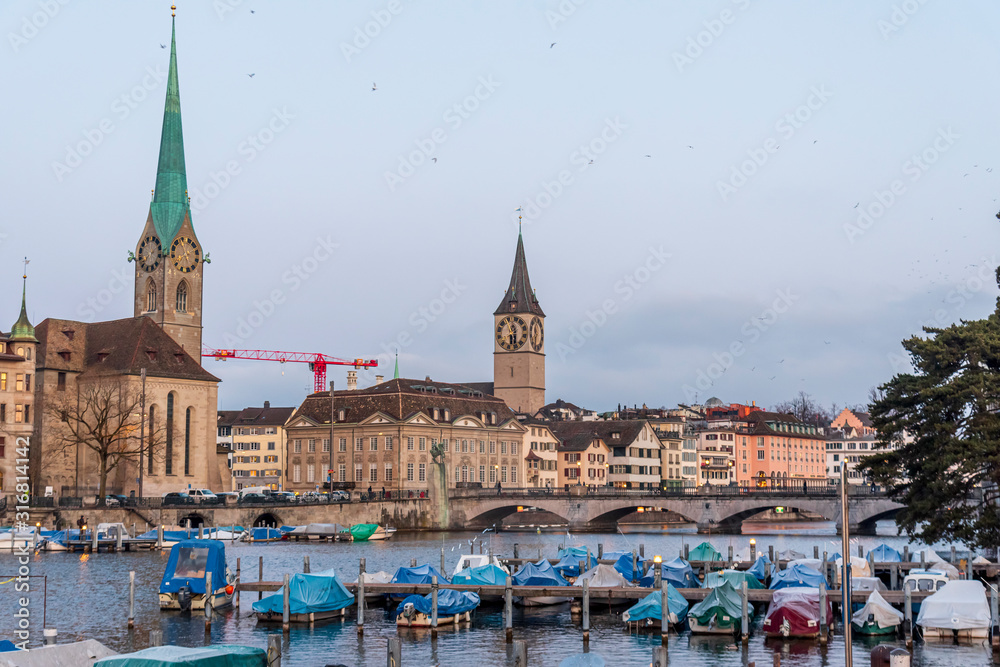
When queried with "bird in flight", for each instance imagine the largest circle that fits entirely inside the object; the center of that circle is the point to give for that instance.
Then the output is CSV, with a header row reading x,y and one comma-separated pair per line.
x,y
252,75
252,11
552,44
649,156
691,147
434,159
163,46
591,162
373,86
858,204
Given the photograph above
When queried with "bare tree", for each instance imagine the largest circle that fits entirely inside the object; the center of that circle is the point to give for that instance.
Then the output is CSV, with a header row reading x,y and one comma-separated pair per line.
x,y
806,409
104,416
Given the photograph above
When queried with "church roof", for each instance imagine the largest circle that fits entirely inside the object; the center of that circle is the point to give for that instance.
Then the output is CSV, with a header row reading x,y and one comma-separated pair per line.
x,y
22,331
520,298
170,202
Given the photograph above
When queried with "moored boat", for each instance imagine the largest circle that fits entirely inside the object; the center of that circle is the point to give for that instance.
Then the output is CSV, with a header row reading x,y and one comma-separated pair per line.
x,y
734,578
603,581
705,552
797,576
924,581
190,562
959,610
720,613
219,655
379,577
539,574
795,612
422,574
647,613
877,617
261,534
453,607
469,561
370,532
484,575
312,597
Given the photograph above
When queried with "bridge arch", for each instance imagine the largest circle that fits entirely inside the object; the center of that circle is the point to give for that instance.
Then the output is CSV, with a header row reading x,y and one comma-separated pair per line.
x,y
266,520
494,516
192,520
867,526
613,516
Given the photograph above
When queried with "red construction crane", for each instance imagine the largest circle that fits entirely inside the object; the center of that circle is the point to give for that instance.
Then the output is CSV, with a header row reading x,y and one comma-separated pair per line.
x,y
317,362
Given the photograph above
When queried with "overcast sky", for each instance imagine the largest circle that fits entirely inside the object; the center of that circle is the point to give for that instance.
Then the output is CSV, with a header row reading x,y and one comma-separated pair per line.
x,y
737,147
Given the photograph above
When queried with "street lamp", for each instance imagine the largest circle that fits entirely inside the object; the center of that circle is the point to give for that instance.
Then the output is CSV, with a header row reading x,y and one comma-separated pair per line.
x,y
579,478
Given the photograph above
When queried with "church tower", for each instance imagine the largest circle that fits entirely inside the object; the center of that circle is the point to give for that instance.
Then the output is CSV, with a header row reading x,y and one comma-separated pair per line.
x,y
169,260
519,342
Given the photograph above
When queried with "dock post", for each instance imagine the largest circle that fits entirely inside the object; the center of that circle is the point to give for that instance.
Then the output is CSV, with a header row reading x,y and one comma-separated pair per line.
x,y
770,552
508,612
201,532
434,606
580,566
118,540
730,556
744,613
209,591
659,656
588,558
815,551
515,551
159,536
906,553
871,562
657,575
305,565
664,613
93,540
361,597
894,575
520,653
923,559
260,575
993,611
156,638
50,636
823,630
600,551
413,562
236,593
442,560
753,551
953,560
861,551
826,570
586,611
286,621
908,616
393,650
635,565
642,551
131,599
274,651
686,552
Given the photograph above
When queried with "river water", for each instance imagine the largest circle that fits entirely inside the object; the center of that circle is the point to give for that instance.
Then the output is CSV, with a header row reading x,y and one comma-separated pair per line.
x,y
88,598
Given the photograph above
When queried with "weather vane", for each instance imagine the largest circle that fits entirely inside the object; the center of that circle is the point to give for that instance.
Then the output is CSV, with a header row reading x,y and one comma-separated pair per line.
x,y
26,262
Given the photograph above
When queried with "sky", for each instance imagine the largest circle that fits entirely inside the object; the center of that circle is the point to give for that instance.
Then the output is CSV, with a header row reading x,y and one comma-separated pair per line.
x,y
732,198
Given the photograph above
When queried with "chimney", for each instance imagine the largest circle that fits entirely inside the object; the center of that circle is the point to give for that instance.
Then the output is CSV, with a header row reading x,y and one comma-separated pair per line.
x,y
267,404
379,379
352,380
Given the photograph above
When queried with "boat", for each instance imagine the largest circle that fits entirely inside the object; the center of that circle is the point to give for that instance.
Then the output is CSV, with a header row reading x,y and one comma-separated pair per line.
x,y
720,613
859,568
797,576
578,552
16,539
761,568
490,574
453,607
170,537
648,612
183,583
624,565
601,579
877,617
705,552
261,534
568,566
734,578
317,531
863,584
539,574
959,610
813,563
59,540
380,577
469,561
421,574
312,597
790,554
370,532
935,561
883,553
795,612
924,581
677,572
218,655
111,531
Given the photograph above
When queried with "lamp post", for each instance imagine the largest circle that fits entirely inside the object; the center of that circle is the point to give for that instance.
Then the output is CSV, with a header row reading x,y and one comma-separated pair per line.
x,y
142,428
579,477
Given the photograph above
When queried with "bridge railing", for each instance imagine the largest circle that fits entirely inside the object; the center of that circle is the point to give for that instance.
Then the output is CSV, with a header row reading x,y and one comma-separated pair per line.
x,y
813,490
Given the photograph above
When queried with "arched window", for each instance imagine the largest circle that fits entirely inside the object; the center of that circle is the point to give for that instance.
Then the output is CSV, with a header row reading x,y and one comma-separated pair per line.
x,y
187,442
152,430
182,297
150,296
168,466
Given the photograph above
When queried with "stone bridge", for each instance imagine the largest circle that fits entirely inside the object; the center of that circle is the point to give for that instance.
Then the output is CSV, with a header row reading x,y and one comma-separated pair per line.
x,y
712,512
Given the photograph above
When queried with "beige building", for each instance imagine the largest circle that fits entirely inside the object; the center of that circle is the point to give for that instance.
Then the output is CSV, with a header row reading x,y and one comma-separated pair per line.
x,y
17,367
716,458
258,447
635,450
383,436
541,454
583,460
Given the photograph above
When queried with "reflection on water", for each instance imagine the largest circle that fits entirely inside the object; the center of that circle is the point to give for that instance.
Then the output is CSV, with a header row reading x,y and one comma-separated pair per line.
x,y
88,598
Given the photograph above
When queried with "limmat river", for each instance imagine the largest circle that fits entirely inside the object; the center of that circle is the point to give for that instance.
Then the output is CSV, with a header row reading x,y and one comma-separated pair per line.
x,y
87,597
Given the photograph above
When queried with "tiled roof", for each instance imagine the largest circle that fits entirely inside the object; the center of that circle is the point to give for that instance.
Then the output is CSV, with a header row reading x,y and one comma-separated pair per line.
x,y
865,419
576,443
757,425
402,398
627,431
266,416
227,417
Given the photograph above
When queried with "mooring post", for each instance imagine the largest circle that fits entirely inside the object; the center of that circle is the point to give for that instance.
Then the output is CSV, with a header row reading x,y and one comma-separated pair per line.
x,y
871,563
642,551
730,556
753,551
260,575
586,611
520,653
508,611
657,575
286,621
659,656
208,600
664,613
118,540
894,575
953,560
93,540
413,562
770,552
361,597
393,649
434,606
686,552
908,615
515,550
861,551
823,630
442,560
923,559
600,551
993,611
131,598
274,651
50,636
635,565
580,566
744,612
236,593
588,558
826,570
906,553
156,638
159,537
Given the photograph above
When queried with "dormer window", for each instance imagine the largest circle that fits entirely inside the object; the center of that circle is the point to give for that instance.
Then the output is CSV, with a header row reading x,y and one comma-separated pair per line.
x,y
616,435
69,333
151,354
447,414
179,357
65,355
101,356
437,414
341,414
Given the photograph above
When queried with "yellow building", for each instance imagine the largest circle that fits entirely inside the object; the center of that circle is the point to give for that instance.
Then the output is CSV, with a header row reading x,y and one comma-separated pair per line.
x,y
541,456
258,447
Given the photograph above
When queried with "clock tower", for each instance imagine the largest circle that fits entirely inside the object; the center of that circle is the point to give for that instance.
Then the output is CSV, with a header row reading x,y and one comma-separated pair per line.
x,y
519,342
169,260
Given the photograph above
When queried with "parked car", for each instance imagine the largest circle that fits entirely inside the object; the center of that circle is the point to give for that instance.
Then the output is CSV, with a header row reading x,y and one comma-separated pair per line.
x,y
112,500
257,498
338,495
227,497
203,496
284,497
315,497
176,498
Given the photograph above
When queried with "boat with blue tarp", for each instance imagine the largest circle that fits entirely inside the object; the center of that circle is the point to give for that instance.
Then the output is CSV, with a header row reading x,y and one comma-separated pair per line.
x,y
189,564
453,607
677,572
317,596
883,553
624,564
797,575
420,574
262,534
539,574
220,655
648,612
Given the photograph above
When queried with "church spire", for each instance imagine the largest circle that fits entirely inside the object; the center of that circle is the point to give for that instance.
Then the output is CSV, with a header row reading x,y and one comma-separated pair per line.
x,y
520,298
170,200
395,374
22,331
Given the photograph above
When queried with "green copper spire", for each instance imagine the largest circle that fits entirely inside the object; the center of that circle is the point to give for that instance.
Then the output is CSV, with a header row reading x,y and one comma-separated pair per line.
x,y
170,202
395,374
22,331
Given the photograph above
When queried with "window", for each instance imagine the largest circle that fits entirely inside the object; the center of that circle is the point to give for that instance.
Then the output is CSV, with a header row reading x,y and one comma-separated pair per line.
x,y
373,472
465,446
311,473
465,473
388,472
388,443
343,445
296,446
458,471
18,414
503,446
513,474
342,472
760,455
493,447
19,382
513,449
169,441
149,446
326,445
409,443
423,444
482,472
423,473
27,381
270,446
187,441
503,474
482,447
311,446
296,473
409,472
493,474
358,473
359,446
182,297
150,296
373,444
3,381
340,415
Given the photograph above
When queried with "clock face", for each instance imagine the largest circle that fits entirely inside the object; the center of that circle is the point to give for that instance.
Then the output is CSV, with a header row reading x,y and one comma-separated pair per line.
x,y
185,254
149,253
537,334
511,333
